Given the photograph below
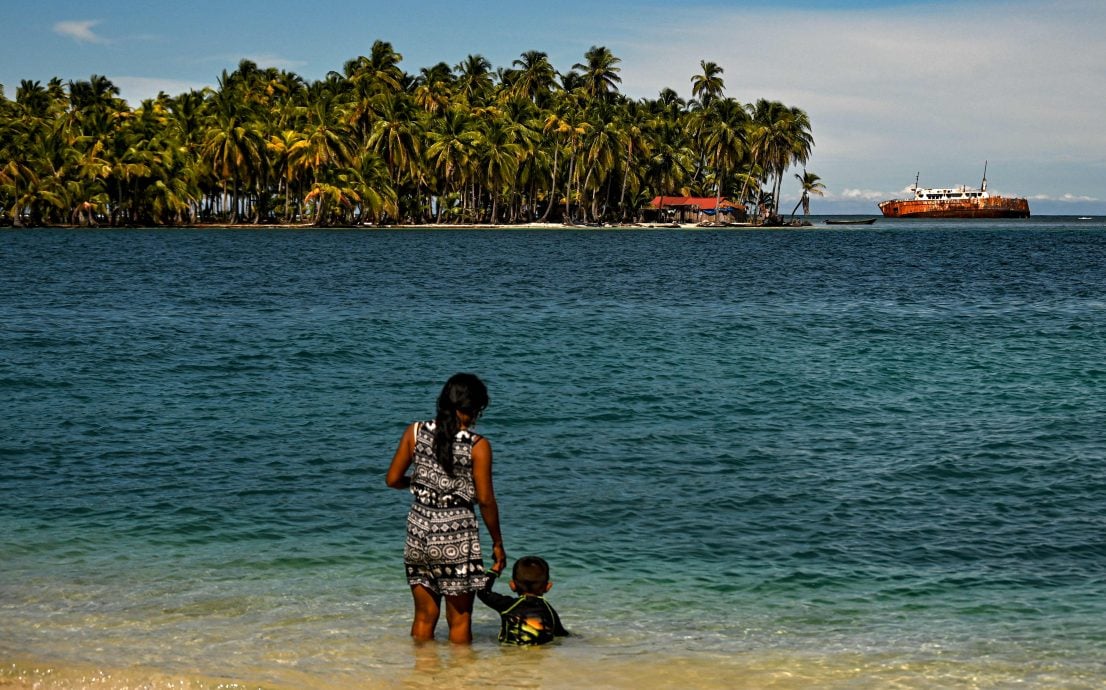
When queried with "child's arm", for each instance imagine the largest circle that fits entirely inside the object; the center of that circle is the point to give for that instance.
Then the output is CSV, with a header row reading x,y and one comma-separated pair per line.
x,y
495,600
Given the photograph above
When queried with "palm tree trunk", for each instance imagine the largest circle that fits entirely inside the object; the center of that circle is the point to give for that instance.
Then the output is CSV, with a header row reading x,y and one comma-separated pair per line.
x,y
287,200
801,200
583,190
776,193
717,193
568,190
552,186
17,211
625,178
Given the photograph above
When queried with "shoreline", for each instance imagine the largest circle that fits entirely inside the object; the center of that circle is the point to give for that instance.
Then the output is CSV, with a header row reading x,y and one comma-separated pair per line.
x,y
422,226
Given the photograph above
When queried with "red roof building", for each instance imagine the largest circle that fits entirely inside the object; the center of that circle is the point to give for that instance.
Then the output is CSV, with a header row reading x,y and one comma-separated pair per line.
x,y
693,208
696,202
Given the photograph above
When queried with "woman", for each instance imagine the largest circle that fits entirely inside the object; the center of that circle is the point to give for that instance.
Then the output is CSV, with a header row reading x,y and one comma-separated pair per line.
x,y
452,471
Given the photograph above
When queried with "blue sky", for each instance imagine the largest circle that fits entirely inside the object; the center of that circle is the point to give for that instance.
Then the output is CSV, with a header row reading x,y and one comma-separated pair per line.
x,y
892,88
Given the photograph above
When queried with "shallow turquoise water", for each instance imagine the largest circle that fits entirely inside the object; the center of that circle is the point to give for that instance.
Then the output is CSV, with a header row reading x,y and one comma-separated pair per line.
x,y
858,458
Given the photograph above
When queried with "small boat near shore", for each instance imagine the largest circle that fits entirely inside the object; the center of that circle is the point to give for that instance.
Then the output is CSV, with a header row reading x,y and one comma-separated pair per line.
x,y
959,202
850,221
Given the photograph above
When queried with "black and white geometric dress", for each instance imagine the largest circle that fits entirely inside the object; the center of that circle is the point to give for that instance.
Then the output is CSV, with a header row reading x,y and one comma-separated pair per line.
x,y
443,538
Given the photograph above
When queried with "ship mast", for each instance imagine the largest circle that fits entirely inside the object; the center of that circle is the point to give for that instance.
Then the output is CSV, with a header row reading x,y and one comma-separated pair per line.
x,y
983,187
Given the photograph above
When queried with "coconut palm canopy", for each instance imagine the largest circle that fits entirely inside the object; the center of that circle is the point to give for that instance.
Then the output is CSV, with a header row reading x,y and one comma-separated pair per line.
x,y
371,143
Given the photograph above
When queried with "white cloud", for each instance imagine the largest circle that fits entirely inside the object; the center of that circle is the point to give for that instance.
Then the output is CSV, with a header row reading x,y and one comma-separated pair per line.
x,y
1063,198
80,30
863,195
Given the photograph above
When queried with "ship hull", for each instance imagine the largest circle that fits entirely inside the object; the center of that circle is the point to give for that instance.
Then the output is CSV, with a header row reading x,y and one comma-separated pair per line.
x,y
988,207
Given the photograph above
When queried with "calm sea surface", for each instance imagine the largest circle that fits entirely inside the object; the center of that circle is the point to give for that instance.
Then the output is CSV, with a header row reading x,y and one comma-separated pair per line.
x,y
859,458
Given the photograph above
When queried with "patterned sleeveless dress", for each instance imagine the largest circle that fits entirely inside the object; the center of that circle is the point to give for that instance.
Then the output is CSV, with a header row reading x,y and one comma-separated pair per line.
x,y
443,538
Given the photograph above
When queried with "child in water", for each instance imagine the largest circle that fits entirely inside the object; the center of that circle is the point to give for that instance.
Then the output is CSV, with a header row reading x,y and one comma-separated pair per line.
x,y
528,619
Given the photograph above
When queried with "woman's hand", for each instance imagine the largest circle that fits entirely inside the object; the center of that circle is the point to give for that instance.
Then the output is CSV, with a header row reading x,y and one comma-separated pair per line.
x,y
500,556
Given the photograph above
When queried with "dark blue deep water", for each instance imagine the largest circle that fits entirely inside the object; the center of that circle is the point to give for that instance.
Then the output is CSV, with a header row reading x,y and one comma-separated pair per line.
x,y
810,458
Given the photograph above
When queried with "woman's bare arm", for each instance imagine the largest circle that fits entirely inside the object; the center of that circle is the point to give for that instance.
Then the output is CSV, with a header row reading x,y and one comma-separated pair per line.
x,y
405,452
485,498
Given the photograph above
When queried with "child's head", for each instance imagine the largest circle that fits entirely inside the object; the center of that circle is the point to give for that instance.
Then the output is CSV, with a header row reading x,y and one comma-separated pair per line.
x,y
530,576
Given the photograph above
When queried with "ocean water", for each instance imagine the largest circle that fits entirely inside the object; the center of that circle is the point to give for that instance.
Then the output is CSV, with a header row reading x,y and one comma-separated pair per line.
x,y
863,457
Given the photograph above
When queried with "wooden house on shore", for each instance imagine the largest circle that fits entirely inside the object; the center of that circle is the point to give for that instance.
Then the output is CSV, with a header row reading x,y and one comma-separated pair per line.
x,y
694,209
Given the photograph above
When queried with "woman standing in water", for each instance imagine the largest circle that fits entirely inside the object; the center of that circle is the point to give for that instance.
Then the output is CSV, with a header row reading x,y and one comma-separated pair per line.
x,y
452,472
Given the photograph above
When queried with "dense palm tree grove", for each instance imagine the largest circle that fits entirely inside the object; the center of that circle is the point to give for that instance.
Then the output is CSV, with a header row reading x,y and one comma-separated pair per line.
x,y
374,144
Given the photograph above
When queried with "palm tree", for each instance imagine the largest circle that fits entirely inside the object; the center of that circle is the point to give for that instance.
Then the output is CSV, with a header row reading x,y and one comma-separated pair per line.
x,y
553,126
368,177
638,147
526,120
780,138
670,166
600,72
186,123
32,97
603,143
668,102
474,78
571,127
498,153
534,77
232,145
452,147
16,177
379,72
810,184
397,137
332,200
96,93
434,88
725,141
708,85
290,149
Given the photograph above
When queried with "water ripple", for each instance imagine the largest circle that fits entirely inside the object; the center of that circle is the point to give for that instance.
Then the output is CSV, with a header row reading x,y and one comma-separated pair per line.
x,y
894,435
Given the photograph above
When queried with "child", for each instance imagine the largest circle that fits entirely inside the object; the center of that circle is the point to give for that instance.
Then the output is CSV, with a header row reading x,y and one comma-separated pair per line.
x,y
529,619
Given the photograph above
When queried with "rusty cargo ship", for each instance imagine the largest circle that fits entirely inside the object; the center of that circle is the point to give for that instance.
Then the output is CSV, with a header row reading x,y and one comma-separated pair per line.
x,y
960,202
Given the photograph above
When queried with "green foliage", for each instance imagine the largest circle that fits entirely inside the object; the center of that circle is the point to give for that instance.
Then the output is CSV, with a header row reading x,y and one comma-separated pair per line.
x,y
374,144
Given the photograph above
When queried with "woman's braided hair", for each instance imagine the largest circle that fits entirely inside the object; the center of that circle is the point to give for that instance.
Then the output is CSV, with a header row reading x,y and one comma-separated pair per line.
x,y
461,393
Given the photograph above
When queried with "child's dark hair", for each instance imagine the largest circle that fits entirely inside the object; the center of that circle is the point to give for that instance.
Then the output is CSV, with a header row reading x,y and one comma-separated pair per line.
x,y
531,574
461,393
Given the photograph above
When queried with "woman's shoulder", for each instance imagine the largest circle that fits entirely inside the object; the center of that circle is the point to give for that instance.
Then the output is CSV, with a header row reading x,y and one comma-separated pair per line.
x,y
421,428
476,439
